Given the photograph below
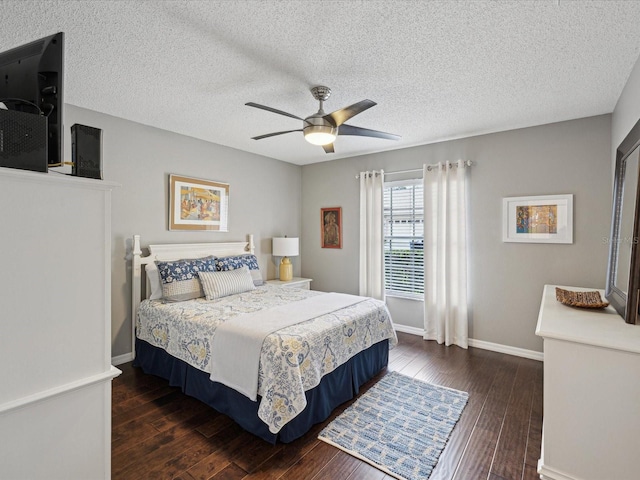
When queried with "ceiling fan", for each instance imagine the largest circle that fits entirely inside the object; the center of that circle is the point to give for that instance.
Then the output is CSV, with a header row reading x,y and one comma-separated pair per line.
x,y
321,128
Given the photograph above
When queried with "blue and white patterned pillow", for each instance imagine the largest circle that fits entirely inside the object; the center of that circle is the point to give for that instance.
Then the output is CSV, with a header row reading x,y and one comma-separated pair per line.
x,y
224,264
180,279
225,283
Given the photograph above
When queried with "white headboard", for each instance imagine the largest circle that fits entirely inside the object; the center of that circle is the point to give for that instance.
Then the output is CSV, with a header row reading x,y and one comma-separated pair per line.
x,y
174,251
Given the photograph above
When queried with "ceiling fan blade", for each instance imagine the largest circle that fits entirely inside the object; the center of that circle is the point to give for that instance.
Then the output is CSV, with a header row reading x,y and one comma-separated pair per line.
x,y
273,110
338,117
267,135
366,132
328,148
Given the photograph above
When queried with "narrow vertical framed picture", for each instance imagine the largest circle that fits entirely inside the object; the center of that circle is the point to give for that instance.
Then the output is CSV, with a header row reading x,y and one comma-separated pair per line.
x,y
331,227
539,219
196,204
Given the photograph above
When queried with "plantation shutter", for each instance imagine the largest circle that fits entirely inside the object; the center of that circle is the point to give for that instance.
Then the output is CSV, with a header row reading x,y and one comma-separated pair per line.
x,y
403,211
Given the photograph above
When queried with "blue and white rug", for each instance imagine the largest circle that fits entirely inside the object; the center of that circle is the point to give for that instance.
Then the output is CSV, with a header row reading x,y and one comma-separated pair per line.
x,y
400,425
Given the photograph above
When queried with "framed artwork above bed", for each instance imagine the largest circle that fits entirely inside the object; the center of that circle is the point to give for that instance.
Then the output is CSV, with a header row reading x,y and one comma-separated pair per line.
x,y
196,204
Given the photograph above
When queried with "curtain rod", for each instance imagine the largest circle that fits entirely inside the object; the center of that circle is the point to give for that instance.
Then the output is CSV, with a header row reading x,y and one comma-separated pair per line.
x,y
467,163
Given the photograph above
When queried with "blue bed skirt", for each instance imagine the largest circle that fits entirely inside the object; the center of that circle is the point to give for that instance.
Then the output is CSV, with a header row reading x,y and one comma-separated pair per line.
x,y
335,388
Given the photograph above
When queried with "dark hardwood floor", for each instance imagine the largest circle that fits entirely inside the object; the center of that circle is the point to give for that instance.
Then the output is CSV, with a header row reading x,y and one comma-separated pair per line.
x,y
160,433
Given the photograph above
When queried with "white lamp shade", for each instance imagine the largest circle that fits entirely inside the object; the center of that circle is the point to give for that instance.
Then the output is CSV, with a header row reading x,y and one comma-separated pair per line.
x,y
285,247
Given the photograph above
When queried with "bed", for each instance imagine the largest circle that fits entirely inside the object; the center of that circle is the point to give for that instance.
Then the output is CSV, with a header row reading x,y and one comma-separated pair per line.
x,y
315,352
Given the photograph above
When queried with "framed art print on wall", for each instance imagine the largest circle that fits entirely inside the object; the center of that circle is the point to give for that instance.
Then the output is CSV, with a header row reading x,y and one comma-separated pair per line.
x,y
539,219
331,227
196,204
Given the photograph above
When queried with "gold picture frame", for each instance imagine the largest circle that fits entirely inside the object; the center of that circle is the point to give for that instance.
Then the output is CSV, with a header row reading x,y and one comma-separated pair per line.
x,y
197,204
331,227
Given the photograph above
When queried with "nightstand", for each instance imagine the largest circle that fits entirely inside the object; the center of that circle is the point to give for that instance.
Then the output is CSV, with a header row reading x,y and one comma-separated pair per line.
x,y
295,282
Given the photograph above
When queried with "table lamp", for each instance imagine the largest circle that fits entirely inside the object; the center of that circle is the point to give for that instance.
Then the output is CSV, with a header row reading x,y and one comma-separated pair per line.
x,y
285,247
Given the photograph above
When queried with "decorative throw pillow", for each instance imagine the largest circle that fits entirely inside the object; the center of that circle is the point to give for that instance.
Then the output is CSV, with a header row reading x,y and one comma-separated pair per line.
x,y
154,281
180,278
224,264
221,284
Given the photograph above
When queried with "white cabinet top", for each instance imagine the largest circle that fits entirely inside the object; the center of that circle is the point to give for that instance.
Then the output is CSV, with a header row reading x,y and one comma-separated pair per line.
x,y
598,327
54,178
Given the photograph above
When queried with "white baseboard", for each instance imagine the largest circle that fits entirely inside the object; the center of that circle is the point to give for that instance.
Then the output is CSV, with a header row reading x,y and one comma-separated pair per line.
x,y
120,359
494,347
548,473
509,350
407,329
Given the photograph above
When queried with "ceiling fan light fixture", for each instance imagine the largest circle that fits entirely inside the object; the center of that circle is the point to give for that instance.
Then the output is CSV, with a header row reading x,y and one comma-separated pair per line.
x,y
321,128
320,134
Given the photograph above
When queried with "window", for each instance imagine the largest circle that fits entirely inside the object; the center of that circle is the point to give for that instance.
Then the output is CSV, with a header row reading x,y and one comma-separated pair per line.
x,y
403,211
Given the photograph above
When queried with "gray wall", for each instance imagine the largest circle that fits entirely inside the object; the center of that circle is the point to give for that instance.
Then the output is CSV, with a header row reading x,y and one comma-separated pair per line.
x,y
627,111
264,197
506,279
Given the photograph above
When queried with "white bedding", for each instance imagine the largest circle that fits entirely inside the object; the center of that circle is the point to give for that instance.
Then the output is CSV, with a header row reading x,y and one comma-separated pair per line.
x,y
292,360
246,333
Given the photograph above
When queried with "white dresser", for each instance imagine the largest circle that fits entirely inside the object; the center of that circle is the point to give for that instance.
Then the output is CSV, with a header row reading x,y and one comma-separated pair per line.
x,y
55,316
591,426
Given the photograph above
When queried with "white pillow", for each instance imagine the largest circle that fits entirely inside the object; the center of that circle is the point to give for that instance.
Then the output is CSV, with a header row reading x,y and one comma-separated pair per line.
x,y
221,284
154,280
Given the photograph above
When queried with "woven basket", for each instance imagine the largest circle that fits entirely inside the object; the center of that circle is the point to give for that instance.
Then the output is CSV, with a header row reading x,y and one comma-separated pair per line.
x,y
580,299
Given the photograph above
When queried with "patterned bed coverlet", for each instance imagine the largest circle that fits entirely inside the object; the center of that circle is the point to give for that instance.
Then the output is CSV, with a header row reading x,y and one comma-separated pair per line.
x,y
292,360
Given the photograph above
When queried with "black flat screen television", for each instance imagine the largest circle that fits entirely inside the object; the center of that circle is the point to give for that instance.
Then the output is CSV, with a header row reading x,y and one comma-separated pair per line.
x,y
32,81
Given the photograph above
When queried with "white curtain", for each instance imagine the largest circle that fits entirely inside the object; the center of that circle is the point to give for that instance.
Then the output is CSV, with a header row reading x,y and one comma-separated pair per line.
x,y
445,253
371,235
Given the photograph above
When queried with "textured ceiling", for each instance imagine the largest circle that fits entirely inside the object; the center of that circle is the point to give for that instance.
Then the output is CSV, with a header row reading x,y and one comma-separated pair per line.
x,y
438,70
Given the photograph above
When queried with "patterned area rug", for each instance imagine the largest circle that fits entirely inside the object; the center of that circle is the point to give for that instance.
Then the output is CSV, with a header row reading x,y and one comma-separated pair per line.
x,y
400,425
